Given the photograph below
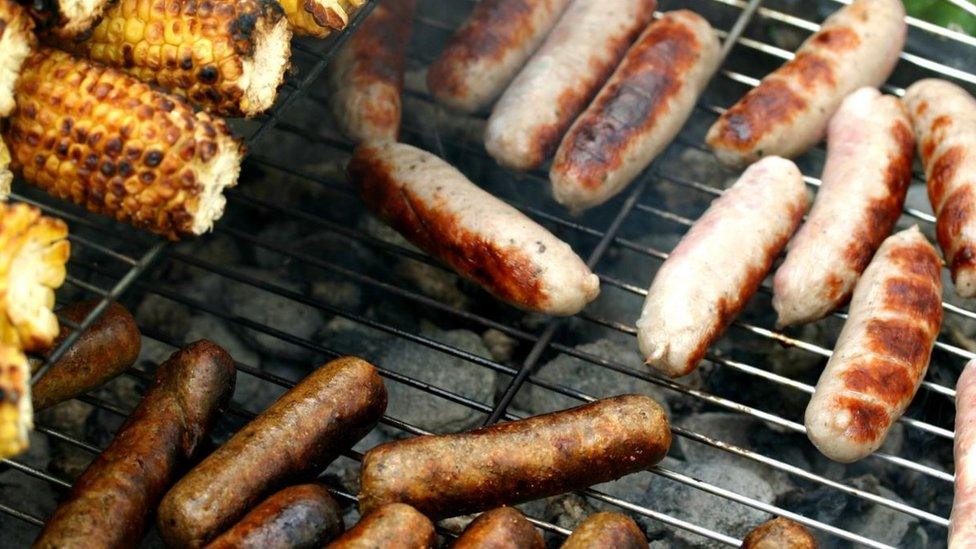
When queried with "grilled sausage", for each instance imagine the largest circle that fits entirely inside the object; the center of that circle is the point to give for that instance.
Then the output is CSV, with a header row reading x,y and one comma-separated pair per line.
x,y
882,352
518,461
367,74
870,148
393,526
563,75
502,528
489,49
780,533
302,516
112,500
606,530
962,522
719,264
944,116
106,349
482,238
639,111
788,112
304,430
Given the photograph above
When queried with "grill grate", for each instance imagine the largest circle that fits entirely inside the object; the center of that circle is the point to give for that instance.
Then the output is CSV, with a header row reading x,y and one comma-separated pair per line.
x,y
108,260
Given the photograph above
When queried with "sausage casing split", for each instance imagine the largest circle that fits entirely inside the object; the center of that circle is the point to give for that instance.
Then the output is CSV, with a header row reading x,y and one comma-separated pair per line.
x,y
962,522
870,148
488,50
305,429
780,533
882,352
296,517
482,238
607,530
788,112
719,265
502,528
457,474
392,526
113,499
639,111
944,116
561,78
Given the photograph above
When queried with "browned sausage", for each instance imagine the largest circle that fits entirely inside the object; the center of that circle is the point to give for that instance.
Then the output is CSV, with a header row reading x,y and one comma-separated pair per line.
x,y
780,533
457,474
111,501
393,526
296,517
606,530
106,349
304,430
502,528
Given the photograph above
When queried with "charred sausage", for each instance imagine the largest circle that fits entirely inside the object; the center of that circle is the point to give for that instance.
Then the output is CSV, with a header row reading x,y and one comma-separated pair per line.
x,y
787,113
944,116
638,112
780,533
962,522
482,238
870,148
489,49
393,526
563,75
541,456
112,500
305,429
719,265
882,352
607,530
502,528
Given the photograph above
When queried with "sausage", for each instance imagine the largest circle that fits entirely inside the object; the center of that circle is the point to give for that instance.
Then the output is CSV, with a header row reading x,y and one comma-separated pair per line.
x,y
482,238
303,431
367,74
788,112
719,265
640,110
457,474
393,526
111,501
298,516
488,50
564,75
882,352
606,530
780,533
107,348
944,116
501,528
870,149
962,522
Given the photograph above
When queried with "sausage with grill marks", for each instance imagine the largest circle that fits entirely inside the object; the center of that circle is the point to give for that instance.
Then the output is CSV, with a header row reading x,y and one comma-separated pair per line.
x,y
780,533
719,265
870,148
788,112
607,530
393,526
882,352
500,528
962,522
638,112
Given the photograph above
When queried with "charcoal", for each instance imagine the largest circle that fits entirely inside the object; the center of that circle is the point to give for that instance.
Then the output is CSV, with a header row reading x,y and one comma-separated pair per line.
x,y
349,337
69,417
500,345
216,248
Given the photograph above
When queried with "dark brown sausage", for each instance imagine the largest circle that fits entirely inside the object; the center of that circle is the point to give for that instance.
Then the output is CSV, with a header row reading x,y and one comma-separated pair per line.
x,y
502,528
112,500
393,526
302,516
106,349
450,475
607,530
303,431
780,533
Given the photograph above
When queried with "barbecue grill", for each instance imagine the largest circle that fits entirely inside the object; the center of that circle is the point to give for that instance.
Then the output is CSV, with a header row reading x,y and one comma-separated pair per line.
x,y
297,273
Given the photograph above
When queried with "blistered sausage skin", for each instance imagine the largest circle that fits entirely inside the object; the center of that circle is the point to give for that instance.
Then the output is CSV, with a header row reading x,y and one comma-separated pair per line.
x,y
882,352
502,528
393,526
606,530
780,533
944,116
870,148
112,500
561,78
719,265
457,474
788,112
962,522
482,238
488,50
638,112
367,74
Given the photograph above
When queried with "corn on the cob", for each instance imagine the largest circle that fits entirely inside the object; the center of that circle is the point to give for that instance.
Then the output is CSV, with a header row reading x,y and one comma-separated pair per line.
x,y
68,17
16,40
228,56
103,139
319,18
16,415
6,178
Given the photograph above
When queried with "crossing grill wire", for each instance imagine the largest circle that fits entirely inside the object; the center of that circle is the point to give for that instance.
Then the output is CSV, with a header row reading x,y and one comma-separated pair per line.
x,y
297,218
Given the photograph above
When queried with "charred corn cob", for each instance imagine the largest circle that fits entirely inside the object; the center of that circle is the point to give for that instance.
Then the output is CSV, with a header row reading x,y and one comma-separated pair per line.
x,y
103,139
16,40
16,415
67,17
228,56
319,18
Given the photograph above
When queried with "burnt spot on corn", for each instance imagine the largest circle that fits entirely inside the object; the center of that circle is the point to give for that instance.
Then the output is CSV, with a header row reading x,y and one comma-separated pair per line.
x,y
867,420
769,104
